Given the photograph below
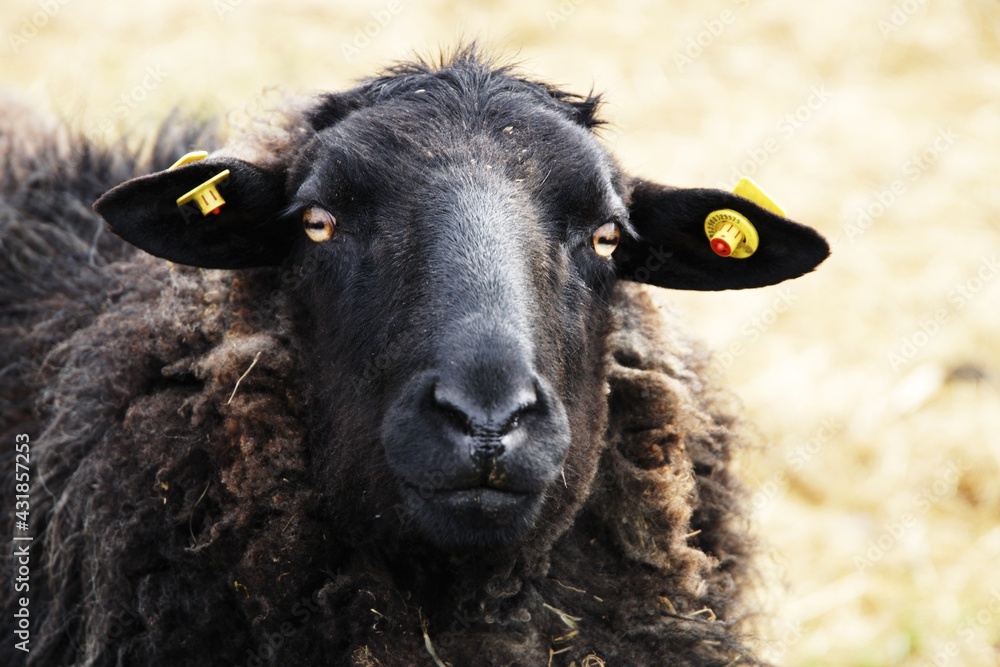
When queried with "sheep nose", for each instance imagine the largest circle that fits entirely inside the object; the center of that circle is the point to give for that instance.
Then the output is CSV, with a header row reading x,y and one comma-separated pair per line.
x,y
463,428
486,420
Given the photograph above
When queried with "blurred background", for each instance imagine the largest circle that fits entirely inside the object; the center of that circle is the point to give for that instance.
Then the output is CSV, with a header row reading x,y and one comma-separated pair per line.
x,y
873,384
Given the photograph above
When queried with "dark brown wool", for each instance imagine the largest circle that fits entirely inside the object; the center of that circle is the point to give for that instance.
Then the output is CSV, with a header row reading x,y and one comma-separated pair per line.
x,y
175,508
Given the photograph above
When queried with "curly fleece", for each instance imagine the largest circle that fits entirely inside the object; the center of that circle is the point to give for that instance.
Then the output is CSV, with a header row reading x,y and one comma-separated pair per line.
x,y
175,506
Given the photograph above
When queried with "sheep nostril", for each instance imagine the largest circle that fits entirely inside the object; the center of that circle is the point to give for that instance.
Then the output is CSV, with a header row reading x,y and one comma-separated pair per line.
x,y
457,418
472,417
518,417
524,404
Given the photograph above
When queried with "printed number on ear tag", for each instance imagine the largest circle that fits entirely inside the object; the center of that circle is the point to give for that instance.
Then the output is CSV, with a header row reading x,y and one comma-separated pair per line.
x,y
729,233
205,195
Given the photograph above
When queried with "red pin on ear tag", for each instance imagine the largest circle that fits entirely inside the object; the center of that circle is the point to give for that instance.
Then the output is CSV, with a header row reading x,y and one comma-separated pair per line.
x,y
729,233
205,195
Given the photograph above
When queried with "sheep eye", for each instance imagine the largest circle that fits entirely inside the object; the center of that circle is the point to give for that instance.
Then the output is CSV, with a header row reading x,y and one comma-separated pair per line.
x,y
605,239
319,224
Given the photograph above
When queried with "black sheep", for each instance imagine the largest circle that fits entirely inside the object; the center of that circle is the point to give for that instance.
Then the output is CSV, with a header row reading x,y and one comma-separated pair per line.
x,y
417,419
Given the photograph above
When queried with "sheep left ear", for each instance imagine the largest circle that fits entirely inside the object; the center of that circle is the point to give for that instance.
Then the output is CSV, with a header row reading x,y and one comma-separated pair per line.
x,y
244,231
672,249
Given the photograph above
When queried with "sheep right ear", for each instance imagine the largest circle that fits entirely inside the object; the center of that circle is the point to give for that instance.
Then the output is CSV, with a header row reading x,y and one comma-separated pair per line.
x,y
245,231
673,250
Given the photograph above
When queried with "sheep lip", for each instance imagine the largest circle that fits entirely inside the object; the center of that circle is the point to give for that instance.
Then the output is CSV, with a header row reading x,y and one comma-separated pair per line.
x,y
472,518
485,497
481,500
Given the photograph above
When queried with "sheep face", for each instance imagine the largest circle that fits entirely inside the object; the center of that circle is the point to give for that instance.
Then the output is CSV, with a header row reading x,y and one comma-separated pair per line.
x,y
453,237
463,291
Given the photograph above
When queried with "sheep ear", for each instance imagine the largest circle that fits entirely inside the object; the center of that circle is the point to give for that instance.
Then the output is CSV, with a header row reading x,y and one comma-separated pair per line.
x,y
673,250
243,232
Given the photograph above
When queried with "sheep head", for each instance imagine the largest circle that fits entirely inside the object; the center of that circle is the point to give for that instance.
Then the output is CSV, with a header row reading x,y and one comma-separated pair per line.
x,y
451,237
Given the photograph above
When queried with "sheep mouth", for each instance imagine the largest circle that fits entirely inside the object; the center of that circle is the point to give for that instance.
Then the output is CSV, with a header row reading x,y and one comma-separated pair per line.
x,y
487,500
478,517
482,498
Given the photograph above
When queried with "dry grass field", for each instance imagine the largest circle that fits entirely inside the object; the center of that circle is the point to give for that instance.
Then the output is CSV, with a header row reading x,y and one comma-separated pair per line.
x,y
873,384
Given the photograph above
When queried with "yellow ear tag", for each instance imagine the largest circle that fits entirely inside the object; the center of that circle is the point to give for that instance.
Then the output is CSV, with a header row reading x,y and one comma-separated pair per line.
x,y
748,189
205,195
188,158
729,233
